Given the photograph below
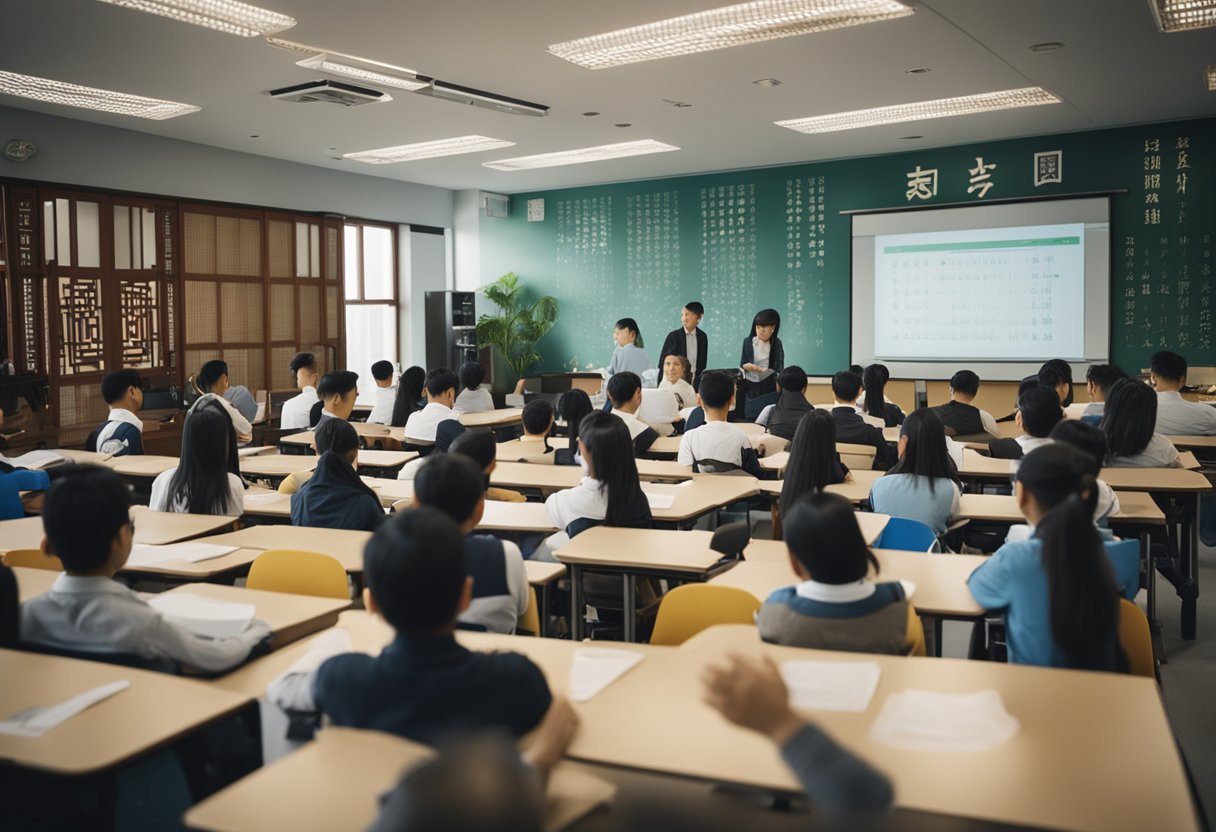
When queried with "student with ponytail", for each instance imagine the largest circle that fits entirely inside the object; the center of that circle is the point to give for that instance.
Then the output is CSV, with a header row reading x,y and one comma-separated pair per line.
x,y
1057,588
813,463
334,497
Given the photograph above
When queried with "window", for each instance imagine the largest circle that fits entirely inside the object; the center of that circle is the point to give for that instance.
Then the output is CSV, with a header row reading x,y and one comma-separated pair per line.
x,y
371,300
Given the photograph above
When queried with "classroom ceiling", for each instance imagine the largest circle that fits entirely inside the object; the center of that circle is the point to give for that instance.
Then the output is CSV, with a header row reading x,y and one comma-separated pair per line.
x,y
1115,69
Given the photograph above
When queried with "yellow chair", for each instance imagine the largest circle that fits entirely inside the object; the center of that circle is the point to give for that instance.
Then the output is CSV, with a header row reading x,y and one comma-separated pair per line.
x,y
689,609
300,573
530,620
1136,640
33,559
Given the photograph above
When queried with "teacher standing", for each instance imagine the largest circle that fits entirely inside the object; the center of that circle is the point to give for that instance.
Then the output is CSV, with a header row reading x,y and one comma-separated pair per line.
x,y
762,360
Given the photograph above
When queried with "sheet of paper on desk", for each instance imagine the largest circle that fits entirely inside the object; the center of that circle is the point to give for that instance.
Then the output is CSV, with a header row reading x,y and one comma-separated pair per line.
x,y
34,722
659,500
145,554
919,720
204,616
831,686
595,668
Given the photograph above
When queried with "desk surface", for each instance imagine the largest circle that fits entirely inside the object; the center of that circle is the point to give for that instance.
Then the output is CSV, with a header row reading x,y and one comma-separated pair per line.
x,y
1180,442
160,527
290,617
345,546
696,496
1121,479
678,551
156,709
90,457
493,418
143,467
516,517
22,533
542,572
1134,507
33,582
546,478
346,770
856,489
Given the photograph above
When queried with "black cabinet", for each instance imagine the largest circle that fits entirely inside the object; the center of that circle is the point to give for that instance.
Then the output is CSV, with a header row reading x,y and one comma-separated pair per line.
x,y
451,330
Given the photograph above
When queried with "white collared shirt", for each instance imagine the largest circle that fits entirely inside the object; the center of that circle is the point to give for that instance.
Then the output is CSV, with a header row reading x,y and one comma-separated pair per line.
x,y
631,421
686,396
760,356
382,410
718,441
690,349
587,499
423,423
843,593
118,416
1029,443
474,401
1178,417
297,409
159,499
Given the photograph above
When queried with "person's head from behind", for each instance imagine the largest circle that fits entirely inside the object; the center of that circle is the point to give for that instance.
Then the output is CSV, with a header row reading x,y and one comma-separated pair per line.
x,y
825,542
1130,417
1167,370
1099,378
1038,410
676,368
409,393
122,389
573,406
454,484
208,451
472,375
607,450
716,392
625,392
964,385
303,369
922,448
846,386
338,437
874,381
480,446
792,380
626,332
382,372
86,517
213,377
440,385
812,462
1088,439
691,315
338,390
538,418
766,324
1057,375
414,571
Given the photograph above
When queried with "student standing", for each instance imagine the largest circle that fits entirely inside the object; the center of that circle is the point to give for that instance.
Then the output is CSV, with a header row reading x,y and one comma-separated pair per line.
x,y
874,380
386,393
410,390
628,356
689,341
762,360
782,419
1130,427
473,397
213,378
337,392
334,497
851,428
1099,378
813,463
122,432
296,410
717,446
625,393
440,388
1175,415
1038,412
202,483
675,378
959,414
923,485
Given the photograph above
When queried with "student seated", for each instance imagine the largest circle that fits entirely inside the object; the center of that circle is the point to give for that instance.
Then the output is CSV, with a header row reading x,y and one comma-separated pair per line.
x,y
573,407
609,492
334,497
533,446
717,446
1129,424
628,355
1175,415
440,390
15,480
296,410
337,393
625,393
659,410
202,483
473,397
424,686
86,518
813,463
851,428
873,402
689,342
783,417
1057,587
455,485
1057,374
1038,412
675,379
321,443
213,378
959,414
924,484
410,390
479,446
836,606
1099,378
122,432
386,393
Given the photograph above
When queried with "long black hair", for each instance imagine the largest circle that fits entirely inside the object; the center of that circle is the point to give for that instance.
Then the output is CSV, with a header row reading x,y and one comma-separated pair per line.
x,y
822,533
573,406
201,478
925,455
767,317
338,439
1129,418
630,325
609,457
813,462
409,393
874,379
1080,583
211,400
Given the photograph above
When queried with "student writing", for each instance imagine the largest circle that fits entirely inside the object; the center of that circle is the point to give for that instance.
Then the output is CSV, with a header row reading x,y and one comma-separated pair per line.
x,y
334,497
1038,412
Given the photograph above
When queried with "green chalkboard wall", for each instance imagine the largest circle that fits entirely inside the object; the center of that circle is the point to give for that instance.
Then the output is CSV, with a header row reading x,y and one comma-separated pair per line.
x,y
749,239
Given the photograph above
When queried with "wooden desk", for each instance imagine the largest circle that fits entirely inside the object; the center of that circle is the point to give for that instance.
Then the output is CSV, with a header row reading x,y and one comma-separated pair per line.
x,y
855,490
1134,508
664,469
700,495
516,517
142,467
278,466
22,533
34,582
493,418
203,570
345,546
362,429
540,572
160,527
1192,443
545,478
291,617
346,771
88,457
155,710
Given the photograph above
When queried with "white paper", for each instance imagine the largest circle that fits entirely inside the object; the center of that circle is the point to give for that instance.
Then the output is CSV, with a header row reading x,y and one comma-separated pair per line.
x,y
34,722
34,460
145,554
660,500
595,668
831,686
918,720
204,616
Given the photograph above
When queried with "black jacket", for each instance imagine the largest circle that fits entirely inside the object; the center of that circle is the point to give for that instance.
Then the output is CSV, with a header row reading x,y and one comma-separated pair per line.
x,y
851,429
1005,449
776,355
675,344
783,419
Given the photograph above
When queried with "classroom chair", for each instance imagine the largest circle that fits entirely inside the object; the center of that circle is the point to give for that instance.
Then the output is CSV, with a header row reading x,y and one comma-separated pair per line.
x,y
689,609
33,559
529,622
1136,641
297,572
908,535
856,457
730,539
768,445
1126,556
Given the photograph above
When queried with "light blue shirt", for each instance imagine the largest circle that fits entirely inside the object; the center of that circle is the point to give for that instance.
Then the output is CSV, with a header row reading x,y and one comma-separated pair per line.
x,y
629,358
908,496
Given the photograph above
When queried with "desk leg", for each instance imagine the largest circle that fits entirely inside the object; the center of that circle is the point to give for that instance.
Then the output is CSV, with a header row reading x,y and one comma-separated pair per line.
x,y
542,601
1190,572
576,602
629,630
937,637
1150,575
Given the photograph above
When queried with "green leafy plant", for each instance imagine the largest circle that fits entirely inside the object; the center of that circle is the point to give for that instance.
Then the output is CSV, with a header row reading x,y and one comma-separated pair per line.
x,y
518,327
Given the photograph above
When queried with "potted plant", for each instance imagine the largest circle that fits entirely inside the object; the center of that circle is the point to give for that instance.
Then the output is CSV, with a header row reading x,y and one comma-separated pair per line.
x,y
518,326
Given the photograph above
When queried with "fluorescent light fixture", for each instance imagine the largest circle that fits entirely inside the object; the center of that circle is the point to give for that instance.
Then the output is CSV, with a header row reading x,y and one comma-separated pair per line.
x,y
351,66
719,28
90,98
941,108
1182,15
585,154
1209,72
229,16
427,150
480,98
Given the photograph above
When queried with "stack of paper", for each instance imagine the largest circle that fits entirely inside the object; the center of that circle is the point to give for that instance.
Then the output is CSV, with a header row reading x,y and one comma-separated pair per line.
x,y
145,554
658,500
204,616
918,720
595,668
34,722
831,686
34,460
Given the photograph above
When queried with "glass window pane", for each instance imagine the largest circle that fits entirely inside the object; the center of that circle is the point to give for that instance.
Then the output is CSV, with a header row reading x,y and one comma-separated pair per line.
x,y
371,335
122,237
63,233
314,249
48,231
88,235
149,235
351,257
377,263
301,249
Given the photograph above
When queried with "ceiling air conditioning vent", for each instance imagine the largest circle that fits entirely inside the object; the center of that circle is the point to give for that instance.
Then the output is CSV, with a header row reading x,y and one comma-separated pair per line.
x,y
329,92
480,98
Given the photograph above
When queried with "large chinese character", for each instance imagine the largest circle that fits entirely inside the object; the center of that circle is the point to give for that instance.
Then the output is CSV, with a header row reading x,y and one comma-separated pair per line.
x,y
981,178
922,184
1048,167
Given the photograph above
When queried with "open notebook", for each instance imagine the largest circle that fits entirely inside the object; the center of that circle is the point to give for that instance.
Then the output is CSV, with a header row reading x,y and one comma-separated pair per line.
x,y
34,460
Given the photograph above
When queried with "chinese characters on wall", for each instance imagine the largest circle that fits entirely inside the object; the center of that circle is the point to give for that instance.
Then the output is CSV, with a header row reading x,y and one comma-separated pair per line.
x,y
728,256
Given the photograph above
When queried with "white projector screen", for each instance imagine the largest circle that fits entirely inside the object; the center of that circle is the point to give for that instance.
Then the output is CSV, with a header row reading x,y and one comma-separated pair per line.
x,y
994,288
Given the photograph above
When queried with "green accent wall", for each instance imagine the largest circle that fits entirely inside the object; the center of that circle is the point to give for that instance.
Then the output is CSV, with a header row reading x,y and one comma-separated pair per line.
x,y
775,237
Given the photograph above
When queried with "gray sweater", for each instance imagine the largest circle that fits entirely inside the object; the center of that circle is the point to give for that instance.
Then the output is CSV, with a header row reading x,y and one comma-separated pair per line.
x,y
835,781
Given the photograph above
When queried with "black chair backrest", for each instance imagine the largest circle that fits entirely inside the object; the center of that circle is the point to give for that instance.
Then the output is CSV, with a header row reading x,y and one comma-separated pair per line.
x,y
732,539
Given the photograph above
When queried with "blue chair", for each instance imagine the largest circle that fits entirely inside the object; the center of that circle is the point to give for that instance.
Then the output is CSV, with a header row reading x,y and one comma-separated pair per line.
x,y
908,535
1125,563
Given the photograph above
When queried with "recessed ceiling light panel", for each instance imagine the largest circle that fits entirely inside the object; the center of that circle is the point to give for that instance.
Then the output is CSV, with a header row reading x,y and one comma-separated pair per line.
x,y
90,98
753,22
229,16
1209,72
585,154
368,72
428,150
940,108
1183,15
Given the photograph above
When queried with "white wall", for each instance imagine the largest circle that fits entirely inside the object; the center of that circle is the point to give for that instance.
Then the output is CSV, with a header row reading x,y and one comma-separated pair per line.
x,y
467,222
428,272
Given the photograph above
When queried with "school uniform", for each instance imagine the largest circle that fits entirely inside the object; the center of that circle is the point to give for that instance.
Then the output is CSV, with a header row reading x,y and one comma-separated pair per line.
x,y
718,447
382,410
422,423
335,498
586,501
851,429
782,418
1093,412
1125,561
861,617
686,396
1016,447
629,358
244,430
1178,417
474,401
160,501
501,592
296,412
122,434
1158,453
98,614
692,345
966,419
642,434
760,389
908,496
243,401
12,482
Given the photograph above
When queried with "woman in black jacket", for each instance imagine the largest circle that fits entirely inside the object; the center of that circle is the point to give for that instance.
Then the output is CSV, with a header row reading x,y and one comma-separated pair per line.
x,y
762,360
